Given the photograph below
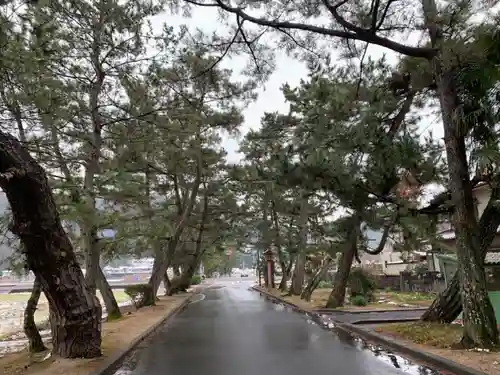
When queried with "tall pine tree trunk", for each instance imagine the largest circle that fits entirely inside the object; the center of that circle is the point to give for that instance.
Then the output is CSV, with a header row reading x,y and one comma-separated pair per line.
x,y
92,254
35,343
286,269
448,305
159,272
298,274
162,260
76,323
337,296
299,271
480,329
183,282
108,296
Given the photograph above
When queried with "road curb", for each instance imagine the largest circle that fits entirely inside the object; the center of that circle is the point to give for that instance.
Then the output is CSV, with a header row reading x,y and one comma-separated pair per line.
x,y
111,364
327,311
420,356
384,321
282,301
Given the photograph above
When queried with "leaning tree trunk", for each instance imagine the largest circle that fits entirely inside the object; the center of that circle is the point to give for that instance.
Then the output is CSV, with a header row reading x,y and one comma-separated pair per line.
x,y
318,276
480,329
162,262
160,266
176,270
448,305
183,282
167,283
284,277
35,343
337,296
298,275
92,254
158,273
108,297
76,323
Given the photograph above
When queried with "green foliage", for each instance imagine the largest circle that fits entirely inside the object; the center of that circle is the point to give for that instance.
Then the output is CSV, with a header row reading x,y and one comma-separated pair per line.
x,y
325,284
362,283
146,130
359,300
140,294
195,280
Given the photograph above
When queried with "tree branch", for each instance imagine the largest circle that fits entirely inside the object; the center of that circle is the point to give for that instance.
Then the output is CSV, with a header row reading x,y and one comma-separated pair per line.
x,y
355,33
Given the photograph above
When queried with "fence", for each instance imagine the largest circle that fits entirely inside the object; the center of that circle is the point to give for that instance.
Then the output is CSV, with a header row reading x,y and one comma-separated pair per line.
x,y
392,282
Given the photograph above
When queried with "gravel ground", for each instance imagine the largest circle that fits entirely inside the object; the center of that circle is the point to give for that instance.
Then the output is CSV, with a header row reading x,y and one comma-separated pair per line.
x,y
12,307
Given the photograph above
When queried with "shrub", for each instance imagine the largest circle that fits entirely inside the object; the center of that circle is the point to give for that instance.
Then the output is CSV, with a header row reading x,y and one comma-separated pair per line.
x,y
359,300
362,283
195,280
325,284
140,294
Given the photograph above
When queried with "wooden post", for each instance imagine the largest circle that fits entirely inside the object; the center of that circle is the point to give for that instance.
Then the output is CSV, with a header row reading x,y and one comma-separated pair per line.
x,y
268,254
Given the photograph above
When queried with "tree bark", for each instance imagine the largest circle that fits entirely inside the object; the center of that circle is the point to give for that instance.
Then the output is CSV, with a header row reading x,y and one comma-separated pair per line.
x,y
108,297
92,254
318,276
76,323
35,342
337,296
183,282
298,275
480,329
448,305
176,270
163,263
278,244
285,270
159,271
89,222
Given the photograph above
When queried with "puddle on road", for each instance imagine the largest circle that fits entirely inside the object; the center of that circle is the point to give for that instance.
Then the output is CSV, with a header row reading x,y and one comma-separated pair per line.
x,y
377,351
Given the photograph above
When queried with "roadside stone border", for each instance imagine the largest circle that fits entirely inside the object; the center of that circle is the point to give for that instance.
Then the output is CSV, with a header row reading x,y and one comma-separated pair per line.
x,y
326,311
415,354
112,363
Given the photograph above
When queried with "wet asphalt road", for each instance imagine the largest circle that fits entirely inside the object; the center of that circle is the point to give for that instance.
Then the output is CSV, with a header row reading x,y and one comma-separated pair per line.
x,y
234,331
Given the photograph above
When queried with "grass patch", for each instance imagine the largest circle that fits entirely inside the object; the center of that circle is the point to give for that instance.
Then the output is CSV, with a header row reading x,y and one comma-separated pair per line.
x,y
413,298
432,334
320,297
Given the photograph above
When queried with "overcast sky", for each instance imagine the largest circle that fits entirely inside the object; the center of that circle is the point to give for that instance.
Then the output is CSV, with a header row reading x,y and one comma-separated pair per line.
x,y
288,70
